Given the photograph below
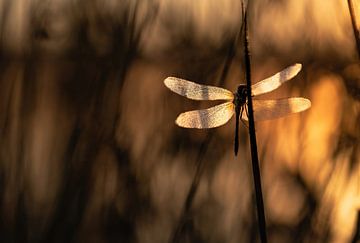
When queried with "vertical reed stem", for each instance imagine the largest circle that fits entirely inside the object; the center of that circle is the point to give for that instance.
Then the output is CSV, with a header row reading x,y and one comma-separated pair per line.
x,y
254,154
356,237
357,41
353,22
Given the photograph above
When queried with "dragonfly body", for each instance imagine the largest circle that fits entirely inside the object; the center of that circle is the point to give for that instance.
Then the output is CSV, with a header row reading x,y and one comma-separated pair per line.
x,y
239,101
235,103
240,96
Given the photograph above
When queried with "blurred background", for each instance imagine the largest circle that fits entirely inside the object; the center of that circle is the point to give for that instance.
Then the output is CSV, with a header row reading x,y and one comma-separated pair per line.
x,y
89,151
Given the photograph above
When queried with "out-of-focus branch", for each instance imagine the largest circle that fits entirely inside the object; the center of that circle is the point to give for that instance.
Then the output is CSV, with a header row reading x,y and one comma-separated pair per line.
x,y
356,237
176,237
355,29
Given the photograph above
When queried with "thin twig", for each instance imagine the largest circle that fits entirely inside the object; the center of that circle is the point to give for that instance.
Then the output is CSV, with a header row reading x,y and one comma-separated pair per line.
x,y
356,237
184,217
353,21
254,154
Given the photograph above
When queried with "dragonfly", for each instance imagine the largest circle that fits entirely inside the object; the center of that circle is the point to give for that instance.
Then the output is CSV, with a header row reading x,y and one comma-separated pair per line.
x,y
236,103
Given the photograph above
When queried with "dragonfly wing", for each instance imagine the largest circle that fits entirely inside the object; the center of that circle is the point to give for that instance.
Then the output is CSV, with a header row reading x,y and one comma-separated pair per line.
x,y
196,91
276,80
207,118
272,109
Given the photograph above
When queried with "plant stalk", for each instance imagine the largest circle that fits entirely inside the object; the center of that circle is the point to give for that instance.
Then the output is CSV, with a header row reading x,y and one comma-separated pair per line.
x,y
353,22
253,146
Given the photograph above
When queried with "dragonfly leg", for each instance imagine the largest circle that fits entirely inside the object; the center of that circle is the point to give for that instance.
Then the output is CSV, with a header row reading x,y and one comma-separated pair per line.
x,y
241,112
246,110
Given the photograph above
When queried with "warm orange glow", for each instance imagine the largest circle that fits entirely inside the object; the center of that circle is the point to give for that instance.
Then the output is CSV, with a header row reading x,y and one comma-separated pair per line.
x,y
322,124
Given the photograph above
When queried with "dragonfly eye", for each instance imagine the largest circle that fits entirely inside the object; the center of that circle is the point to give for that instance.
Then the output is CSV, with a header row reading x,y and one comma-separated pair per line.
x,y
241,94
244,92
241,89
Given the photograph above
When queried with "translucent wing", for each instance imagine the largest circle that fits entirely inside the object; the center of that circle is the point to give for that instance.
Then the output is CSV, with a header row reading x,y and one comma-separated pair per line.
x,y
207,118
276,80
271,109
196,91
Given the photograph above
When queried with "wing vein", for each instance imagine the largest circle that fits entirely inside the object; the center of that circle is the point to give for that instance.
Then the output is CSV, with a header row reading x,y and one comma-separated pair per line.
x,y
275,81
272,109
206,118
196,91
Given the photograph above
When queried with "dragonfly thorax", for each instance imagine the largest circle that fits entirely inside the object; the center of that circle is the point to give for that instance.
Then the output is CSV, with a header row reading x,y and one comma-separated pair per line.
x,y
240,96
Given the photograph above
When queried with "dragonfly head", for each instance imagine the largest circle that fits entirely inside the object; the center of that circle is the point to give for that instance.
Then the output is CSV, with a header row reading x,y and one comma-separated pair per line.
x,y
240,96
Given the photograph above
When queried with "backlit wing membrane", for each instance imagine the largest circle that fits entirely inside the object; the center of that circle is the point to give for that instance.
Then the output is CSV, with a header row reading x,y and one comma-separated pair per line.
x,y
271,109
276,80
196,91
207,118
